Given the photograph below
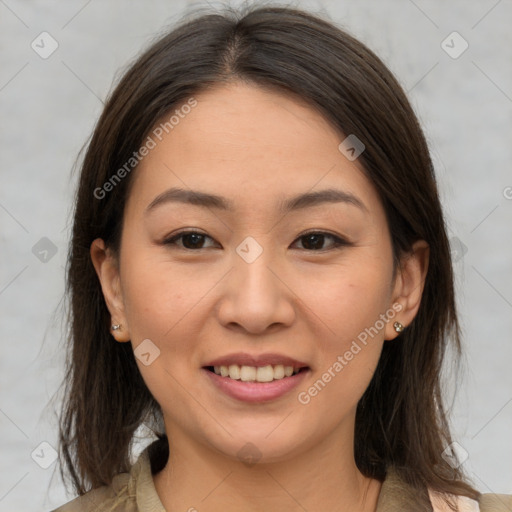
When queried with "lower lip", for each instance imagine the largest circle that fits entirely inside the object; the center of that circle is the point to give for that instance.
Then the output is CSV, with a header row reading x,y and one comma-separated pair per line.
x,y
256,391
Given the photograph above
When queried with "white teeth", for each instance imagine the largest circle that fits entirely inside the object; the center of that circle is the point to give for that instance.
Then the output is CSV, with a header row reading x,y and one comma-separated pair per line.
x,y
247,373
234,371
266,373
278,371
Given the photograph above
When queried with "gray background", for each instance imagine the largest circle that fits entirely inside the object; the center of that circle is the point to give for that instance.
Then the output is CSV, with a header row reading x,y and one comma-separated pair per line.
x,y
48,108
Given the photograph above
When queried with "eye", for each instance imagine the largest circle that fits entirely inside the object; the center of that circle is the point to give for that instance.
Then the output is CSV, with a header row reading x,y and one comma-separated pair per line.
x,y
314,240
189,240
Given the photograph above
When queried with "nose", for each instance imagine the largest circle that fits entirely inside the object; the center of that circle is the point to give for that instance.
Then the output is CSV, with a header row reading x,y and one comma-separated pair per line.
x,y
255,296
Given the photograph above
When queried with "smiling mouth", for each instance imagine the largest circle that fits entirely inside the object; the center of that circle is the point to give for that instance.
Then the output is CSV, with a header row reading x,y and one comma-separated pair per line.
x,y
267,373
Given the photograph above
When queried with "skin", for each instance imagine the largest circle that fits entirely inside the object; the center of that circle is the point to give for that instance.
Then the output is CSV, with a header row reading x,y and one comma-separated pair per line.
x,y
256,147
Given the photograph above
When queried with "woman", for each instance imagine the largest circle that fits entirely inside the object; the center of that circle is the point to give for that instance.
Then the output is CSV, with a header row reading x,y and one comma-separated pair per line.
x,y
260,272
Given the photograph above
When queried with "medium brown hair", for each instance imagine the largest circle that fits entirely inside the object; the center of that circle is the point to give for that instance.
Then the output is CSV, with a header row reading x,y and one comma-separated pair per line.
x,y
401,420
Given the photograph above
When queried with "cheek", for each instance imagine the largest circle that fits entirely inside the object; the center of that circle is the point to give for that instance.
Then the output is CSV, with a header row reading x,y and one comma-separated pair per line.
x,y
349,348
158,298
348,299
349,304
164,307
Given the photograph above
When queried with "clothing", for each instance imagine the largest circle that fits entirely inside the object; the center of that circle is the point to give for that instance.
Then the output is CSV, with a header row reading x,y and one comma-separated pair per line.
x,y
135,492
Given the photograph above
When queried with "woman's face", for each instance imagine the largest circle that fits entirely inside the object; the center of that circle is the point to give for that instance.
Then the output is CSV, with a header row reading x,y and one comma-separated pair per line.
x,y
271,281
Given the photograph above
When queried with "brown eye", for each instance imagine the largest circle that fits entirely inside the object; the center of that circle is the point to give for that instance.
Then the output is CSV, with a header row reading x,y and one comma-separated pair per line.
x,y
189,240
314,241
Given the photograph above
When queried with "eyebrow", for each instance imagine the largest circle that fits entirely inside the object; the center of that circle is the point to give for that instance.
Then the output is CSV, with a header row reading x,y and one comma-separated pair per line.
x,y
298,202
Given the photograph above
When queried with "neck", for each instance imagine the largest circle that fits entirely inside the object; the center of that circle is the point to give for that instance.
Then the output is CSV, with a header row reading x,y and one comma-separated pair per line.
x,y
319,479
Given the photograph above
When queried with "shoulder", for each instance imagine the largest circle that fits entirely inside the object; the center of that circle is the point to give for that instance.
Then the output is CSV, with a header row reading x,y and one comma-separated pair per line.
x,y
115,497
485,503
397,494
464,504
126,493
495,502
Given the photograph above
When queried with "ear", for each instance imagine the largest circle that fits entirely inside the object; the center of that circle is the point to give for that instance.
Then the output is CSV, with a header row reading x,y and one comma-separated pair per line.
x,y
408,286
107,269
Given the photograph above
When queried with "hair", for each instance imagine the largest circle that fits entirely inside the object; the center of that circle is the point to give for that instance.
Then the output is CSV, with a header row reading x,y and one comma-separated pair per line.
x,y
401,421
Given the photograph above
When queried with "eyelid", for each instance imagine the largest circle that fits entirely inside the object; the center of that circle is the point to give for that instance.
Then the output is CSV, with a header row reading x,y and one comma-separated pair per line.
x,y
338,240
171,239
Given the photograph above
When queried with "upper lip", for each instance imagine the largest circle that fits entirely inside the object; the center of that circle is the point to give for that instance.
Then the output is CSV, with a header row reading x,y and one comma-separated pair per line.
x,y
244,359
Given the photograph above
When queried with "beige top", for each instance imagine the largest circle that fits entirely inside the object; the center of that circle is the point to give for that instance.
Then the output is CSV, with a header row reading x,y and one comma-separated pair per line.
x,y
135,492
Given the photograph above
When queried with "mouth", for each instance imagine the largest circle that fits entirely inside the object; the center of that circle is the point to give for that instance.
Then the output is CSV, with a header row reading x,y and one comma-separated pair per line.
x,y
267,373
255,379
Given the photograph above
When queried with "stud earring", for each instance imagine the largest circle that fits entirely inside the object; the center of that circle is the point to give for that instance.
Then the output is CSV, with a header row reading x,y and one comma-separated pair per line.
x,y
116,327
398,327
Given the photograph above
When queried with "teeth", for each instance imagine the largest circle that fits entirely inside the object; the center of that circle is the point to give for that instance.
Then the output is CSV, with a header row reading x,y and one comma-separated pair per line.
x,y
247,373
234,371
279,371
265,374
252,373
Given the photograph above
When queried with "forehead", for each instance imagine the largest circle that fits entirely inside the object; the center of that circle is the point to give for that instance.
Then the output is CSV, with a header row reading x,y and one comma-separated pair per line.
x,y
241,141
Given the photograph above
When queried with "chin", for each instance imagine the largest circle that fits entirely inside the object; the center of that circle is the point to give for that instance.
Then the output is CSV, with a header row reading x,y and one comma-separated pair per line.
x,y
258,446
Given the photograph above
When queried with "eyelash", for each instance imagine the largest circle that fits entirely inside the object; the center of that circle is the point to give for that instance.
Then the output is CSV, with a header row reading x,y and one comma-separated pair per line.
x,y
337,241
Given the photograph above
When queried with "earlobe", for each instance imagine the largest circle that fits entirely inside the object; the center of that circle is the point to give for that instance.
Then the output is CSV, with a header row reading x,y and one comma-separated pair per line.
x,y
107,269
409,286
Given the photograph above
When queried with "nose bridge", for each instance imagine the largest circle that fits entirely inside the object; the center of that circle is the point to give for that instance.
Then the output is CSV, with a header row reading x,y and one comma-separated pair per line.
x,y
255,298
251,263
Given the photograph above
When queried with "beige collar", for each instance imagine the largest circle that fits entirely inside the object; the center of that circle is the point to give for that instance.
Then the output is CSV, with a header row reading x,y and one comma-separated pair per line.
x,y
395,494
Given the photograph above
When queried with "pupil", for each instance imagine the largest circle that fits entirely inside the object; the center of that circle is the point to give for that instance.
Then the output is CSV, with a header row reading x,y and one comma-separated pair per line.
x,y
194,240
317,238
314,241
